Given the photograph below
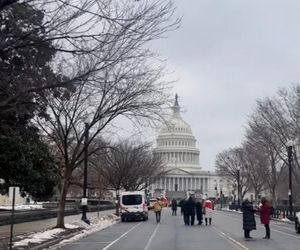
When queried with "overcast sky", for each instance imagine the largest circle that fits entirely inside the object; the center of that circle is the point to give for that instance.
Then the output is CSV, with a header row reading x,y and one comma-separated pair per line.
x,y
227,54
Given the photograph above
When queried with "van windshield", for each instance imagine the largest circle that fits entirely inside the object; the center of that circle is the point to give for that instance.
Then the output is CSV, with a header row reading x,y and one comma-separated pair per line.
x,y
134,199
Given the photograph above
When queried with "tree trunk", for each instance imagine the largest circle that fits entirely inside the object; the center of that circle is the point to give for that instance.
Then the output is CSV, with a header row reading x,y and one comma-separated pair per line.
x,y
61,207
256,193
118,202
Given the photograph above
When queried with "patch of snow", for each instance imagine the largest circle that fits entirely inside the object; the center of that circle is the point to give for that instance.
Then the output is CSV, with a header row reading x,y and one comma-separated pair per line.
x,y
97,223
23,207
39,237
71,226
285,220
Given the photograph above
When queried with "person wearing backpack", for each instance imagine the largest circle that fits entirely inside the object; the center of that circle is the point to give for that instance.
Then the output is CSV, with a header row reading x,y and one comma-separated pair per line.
x,y
157,207
265,214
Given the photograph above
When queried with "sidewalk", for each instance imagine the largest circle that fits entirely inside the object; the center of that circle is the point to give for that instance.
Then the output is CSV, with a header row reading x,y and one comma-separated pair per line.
x,y
37,230
284,220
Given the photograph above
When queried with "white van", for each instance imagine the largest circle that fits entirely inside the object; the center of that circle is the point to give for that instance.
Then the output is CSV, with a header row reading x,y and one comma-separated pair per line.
x,y
133,206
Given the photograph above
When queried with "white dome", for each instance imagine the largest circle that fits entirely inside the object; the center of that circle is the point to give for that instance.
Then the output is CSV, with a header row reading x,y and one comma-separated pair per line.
x,y
176,143
176,125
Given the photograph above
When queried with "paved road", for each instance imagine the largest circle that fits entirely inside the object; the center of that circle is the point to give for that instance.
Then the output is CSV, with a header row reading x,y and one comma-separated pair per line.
x,y
225,234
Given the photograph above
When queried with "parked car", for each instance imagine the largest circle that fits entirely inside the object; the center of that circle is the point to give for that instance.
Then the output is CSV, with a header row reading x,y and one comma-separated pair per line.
x,y
297,222
133,206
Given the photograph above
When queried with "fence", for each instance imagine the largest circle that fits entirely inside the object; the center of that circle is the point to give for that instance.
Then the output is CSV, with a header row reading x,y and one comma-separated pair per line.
x,y
283,212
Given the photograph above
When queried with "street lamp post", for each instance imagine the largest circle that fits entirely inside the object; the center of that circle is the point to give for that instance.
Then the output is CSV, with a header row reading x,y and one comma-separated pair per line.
x,y
238,187
216,188
221,194
84,197
289,147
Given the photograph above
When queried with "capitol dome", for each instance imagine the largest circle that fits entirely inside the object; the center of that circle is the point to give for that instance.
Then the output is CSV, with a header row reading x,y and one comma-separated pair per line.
x,y
176,144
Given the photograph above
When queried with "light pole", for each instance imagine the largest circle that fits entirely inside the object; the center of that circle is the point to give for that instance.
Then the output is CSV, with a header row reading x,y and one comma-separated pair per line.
x,y
289,147
238,187
216,188
84,197
221,194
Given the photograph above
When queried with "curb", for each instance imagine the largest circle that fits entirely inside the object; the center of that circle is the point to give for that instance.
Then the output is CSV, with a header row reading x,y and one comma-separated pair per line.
x,y
273,219
49,243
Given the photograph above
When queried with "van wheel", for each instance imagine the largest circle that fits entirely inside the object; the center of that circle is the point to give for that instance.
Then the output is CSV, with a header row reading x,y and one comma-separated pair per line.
x,y
123,219
297,227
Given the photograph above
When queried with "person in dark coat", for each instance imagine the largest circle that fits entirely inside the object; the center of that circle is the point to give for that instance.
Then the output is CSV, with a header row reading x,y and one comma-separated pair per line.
x,y
249,222
174,207
181,204
190,209
265,214
184,211
199,212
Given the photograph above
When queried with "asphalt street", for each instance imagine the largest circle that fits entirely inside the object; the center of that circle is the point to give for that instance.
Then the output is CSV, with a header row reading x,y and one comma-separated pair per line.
x,y
225,233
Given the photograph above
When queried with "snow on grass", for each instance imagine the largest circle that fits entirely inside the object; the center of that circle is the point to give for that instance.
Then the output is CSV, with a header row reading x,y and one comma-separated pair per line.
x,y
96,225
51,234
23,207
39,237
285,220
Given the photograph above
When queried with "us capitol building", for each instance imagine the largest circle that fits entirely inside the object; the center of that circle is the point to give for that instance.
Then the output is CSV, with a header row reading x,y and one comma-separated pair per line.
x,y
176,146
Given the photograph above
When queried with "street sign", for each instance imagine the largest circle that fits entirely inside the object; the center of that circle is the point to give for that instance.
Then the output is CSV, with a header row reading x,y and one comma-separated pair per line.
x,y
84,201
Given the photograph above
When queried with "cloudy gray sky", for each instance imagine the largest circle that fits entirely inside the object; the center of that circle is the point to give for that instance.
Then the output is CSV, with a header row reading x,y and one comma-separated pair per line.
x,y
227,54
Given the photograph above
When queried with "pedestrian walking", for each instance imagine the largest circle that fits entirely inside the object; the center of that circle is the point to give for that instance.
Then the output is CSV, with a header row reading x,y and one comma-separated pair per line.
x,y
265,214
249,223
190,210
184,212
199,212
157,207
174,207
181,204
208,211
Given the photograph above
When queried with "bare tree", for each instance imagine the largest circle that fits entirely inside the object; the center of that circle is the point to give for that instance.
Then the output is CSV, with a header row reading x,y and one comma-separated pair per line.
x,y
129,166
134,97
260,139
273,123
255,164
87,37
230,163
112,74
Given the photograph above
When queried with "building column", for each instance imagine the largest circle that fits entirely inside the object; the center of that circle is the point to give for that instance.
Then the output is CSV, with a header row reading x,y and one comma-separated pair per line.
x,y
181,186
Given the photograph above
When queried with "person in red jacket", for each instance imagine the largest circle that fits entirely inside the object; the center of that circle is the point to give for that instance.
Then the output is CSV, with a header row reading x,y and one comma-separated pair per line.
x,y
265,214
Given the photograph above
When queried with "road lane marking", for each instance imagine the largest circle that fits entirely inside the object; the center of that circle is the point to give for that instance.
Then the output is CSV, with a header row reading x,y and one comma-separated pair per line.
x,y
230,239
113,242
151,237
